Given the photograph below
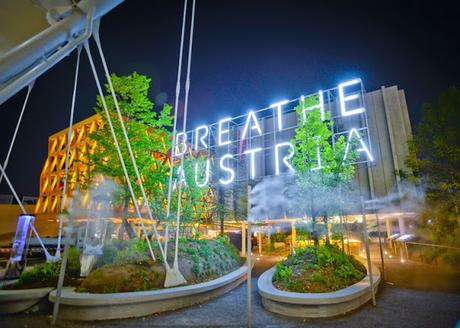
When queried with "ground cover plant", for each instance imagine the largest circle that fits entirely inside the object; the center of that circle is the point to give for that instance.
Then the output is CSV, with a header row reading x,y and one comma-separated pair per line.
x,y
318,269
127,266
47,274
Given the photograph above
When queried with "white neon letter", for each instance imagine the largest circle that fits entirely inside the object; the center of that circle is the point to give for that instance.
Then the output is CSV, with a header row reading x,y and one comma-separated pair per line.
x,y
227,169
285,158
181,174
221,132
181,144
202,138
206,179
279,114
253,152
319,106
363,145
344,99
255,125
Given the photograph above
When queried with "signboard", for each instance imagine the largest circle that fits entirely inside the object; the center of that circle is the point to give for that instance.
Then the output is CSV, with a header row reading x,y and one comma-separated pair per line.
x,y
258,144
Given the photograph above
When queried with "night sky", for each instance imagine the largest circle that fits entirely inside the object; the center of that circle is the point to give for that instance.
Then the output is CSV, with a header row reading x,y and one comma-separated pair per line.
x,y
247,54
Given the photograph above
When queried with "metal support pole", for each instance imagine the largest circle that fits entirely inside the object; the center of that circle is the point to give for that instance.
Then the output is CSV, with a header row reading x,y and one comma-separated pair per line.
x,y
249,274
68,232
368,252
380,245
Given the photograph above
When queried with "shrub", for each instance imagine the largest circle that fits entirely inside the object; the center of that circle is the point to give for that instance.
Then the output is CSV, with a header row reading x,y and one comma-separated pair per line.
x,y
430,254
73,262
44,274
278,237
136,251
282,272
318,269
452,257
303,234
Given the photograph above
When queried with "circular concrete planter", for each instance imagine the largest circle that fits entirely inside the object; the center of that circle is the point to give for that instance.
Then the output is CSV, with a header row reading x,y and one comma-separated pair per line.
x,y
315,305
18,300
89,307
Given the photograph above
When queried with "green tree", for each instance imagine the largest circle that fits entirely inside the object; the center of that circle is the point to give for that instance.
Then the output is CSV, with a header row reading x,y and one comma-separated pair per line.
x,y
434,161
322,168
196,200
150,140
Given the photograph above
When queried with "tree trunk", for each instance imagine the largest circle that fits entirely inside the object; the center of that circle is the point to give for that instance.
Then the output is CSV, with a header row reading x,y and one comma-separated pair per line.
x,y
125,226
326,221
314,232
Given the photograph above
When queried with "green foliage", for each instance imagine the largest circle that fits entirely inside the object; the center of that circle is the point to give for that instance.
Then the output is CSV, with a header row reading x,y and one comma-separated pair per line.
x,y
434,162
149,136
337,170
313,133
278,237
303,233
318,269
127,265
208,258
109,251
136,251
336,236
73,262
195,203
45,274
452,257
282,272
437,254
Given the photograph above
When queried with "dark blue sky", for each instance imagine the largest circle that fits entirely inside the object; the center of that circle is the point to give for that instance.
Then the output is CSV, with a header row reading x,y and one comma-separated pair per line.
x,y
247,54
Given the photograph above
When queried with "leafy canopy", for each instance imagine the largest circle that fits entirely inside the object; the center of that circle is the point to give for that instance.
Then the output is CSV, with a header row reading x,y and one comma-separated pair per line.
x,y
148,133
320,178
434,159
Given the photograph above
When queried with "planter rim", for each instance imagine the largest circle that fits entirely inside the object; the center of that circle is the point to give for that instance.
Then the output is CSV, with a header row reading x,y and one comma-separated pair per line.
x,y
72,298
7,295
269,291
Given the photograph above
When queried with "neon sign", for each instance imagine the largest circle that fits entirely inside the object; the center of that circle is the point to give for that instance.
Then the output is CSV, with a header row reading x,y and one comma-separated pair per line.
x,y
259,143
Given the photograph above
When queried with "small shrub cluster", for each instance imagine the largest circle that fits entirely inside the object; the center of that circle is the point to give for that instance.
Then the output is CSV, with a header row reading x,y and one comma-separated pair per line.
x,y
435,254
318,269
209,258
136,251
278,237
47,274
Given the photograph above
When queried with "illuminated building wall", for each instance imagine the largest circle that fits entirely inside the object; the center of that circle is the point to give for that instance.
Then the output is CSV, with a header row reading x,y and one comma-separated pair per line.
x,y
389,129
52,174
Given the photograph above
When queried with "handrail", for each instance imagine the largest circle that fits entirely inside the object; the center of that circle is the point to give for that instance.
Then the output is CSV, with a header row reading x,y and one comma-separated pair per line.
x,y
432,245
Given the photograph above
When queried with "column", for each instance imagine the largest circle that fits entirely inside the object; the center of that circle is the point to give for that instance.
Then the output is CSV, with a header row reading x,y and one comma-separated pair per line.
x,y
388,226
259,241
402,227
293,234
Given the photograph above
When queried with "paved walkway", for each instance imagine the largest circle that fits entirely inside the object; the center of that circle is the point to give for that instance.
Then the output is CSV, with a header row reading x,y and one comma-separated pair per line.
x,y
396,307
